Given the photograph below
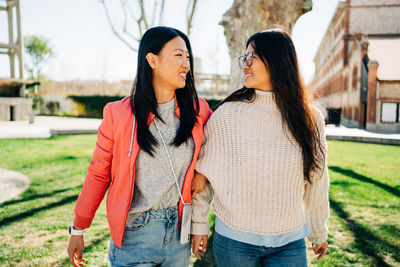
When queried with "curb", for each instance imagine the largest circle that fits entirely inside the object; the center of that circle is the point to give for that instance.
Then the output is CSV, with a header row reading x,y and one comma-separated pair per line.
x,y
71,131
365,139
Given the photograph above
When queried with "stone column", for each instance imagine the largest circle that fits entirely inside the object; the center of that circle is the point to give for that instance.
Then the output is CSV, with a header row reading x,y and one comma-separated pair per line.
x,y
247,17
372,84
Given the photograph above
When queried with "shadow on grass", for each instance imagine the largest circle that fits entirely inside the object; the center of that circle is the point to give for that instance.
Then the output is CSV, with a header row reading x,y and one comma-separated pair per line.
x,y
360,177
391,230
68,158
35,196
344,183
365,240
32,212
97,241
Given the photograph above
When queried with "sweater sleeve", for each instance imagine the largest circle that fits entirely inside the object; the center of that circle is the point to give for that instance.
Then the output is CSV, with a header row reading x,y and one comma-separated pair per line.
x,y
201,202
99,174
316,200
201,206
201,160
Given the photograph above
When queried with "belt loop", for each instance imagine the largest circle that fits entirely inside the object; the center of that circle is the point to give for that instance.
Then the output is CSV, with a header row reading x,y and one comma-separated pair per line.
x,y
146,218
169,213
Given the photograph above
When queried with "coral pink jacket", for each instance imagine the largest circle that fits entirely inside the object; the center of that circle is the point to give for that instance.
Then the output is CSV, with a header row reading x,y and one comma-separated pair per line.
x,y
113,169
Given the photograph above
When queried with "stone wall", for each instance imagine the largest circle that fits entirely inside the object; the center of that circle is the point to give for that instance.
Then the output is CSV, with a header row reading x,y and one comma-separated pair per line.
x,y
22,108
56,104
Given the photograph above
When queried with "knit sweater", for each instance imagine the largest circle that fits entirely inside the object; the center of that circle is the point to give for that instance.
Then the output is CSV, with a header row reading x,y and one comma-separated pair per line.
x,y
255,171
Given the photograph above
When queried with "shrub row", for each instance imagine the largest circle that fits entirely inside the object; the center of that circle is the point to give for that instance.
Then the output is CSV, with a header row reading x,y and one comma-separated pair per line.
x,y
93,105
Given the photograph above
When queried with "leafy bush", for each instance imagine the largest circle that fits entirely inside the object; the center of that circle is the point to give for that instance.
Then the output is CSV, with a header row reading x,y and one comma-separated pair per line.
x,y
93,105
212,102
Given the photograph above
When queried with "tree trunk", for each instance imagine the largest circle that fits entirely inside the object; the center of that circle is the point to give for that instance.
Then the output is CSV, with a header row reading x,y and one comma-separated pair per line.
x,y
247,17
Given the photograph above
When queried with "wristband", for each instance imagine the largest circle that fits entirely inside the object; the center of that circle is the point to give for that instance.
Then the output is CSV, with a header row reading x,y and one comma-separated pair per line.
x,y
73,231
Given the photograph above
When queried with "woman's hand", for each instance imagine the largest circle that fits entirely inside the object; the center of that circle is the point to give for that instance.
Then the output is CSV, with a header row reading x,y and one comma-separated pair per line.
x,y
198,183
320,249
199,245
75,250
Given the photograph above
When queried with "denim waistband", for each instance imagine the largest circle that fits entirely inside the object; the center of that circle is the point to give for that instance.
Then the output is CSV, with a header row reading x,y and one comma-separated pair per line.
x,y
162,214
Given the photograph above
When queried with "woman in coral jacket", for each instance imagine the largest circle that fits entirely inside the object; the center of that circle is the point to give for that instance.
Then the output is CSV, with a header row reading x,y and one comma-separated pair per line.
x,y
264,156
145,156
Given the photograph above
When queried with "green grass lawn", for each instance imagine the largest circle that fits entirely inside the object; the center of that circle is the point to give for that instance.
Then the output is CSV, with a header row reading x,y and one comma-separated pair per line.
x,y
364,194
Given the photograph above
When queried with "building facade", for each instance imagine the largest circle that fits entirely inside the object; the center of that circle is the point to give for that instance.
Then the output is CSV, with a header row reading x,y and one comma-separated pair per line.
x,y
13,104
357,65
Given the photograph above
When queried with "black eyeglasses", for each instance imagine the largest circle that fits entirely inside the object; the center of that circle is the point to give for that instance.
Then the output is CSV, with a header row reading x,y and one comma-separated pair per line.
x,y
248,58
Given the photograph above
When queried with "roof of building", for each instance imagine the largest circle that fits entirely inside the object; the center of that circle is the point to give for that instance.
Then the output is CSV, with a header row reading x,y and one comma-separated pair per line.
x,y
387,53
11,87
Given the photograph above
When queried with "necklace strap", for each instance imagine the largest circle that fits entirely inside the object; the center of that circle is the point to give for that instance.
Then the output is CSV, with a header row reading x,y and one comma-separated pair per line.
x,y
169,160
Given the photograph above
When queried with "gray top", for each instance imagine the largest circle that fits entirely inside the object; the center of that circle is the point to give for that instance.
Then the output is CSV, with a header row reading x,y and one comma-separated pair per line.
x,y
155,186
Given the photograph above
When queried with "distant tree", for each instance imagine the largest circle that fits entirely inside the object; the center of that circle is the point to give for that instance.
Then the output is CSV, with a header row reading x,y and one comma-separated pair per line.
x,y
39,51
135,12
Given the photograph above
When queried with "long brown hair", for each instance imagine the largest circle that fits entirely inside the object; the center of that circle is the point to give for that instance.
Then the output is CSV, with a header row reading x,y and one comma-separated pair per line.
x,y
276,49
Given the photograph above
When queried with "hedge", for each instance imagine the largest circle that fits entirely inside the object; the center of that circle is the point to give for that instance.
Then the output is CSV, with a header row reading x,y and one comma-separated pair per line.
x,y
93,105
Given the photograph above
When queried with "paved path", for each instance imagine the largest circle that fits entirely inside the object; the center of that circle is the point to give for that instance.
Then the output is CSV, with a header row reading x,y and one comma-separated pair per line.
x,y
46,126
359,135
12,184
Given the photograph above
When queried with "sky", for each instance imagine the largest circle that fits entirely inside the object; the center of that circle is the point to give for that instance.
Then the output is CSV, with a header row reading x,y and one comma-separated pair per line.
x,y
86,48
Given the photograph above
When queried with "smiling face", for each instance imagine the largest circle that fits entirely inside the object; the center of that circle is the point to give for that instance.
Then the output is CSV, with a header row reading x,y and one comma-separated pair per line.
x,y
171,65
257,75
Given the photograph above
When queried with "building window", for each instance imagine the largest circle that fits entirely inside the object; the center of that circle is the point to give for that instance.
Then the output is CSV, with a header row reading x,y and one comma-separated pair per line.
x,y
354,78
390,112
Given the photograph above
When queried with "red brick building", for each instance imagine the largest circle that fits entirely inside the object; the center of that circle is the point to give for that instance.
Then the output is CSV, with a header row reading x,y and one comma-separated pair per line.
x,y
357,66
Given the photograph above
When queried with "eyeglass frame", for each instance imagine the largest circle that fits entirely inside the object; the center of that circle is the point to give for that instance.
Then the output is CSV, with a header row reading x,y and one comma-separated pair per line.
x,y
248,58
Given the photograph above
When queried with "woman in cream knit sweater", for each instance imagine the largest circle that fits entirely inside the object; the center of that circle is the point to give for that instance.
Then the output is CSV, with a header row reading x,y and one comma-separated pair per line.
x,y
264,156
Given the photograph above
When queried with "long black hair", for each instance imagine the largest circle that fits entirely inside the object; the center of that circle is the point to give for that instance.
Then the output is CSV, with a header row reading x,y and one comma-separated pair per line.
x,y
276,49
144,100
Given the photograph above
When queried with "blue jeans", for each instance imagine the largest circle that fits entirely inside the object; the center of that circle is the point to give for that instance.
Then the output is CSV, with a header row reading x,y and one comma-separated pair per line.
x,y
231,253
152,239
